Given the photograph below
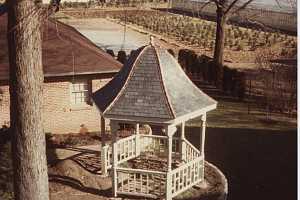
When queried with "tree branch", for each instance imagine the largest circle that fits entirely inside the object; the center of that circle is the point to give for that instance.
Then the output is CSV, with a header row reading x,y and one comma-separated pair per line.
x,y
242,7
231,6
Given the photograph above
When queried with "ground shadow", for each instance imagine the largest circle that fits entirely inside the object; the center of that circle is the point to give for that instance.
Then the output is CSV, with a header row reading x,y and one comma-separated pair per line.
x,y
76,184
259,164
89,160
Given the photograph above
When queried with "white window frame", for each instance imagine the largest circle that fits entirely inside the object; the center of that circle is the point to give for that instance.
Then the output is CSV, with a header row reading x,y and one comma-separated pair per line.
x,y
81,92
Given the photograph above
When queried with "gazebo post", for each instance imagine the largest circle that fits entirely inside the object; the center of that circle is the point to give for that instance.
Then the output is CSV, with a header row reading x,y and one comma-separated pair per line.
x,y
182,144
170,132
114,128
102,131
203,127
137,139
104,148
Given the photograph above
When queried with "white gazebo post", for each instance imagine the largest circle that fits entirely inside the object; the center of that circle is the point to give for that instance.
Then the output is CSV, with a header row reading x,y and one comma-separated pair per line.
x,y
102,131
182,144
104,148
137,140
170,130
203,127
114,128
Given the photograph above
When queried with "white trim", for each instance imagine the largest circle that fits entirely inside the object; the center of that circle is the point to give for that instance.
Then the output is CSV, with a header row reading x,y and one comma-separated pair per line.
x,y
143,171
142,120
73,103
192,115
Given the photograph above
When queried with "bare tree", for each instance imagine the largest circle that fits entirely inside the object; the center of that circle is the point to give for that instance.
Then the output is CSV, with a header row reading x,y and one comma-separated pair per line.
x,y
26,89
224,10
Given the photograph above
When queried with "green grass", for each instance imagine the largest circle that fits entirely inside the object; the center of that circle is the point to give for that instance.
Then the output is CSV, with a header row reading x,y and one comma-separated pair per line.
x,y
235,115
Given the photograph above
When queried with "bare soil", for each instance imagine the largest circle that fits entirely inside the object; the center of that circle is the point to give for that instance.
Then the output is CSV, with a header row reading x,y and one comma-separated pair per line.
x,y
70,179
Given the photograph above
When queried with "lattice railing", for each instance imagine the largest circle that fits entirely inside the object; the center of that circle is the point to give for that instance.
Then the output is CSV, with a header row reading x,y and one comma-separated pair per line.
x,y
157,144
126,148
138,182
186,176
190,152
106,158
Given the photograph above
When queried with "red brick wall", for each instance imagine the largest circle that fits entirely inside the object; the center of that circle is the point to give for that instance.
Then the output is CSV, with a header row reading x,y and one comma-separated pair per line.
x,y
59,115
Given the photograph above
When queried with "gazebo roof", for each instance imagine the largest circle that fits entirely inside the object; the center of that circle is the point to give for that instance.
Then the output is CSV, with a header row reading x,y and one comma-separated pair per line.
x,y
152,87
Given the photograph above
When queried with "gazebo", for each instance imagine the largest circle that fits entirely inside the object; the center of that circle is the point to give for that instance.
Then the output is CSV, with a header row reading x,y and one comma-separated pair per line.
x,y
152,89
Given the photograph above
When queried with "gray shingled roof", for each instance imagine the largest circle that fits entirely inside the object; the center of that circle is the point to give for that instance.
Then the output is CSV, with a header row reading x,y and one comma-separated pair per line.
x,y
152,86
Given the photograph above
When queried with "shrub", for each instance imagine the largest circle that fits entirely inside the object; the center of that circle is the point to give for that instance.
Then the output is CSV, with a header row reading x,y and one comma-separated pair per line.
x,y
122,57
182,58
111,52
171,52
227,78
241,85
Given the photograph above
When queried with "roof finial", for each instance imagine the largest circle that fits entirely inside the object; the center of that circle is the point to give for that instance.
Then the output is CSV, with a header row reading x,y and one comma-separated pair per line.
x,y
151,40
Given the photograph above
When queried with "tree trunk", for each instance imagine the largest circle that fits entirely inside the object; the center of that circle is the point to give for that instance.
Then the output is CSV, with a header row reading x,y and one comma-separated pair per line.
x,y
219,46
26,94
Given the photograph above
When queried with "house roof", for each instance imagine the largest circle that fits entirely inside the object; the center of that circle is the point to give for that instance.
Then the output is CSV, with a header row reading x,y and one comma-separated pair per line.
x,y
151,87
62,46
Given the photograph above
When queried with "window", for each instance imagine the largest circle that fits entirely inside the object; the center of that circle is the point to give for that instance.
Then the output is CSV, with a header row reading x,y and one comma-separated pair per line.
x,y
80,92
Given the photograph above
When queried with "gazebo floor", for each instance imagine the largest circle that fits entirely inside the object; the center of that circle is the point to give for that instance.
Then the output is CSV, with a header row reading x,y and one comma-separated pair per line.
x,y
153,162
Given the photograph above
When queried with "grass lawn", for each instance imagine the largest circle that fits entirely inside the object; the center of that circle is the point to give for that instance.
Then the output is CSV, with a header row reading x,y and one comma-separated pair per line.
x,y
258,158
230,114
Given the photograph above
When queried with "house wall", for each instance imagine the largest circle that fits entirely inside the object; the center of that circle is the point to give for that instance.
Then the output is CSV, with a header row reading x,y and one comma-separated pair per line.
x,y
59,115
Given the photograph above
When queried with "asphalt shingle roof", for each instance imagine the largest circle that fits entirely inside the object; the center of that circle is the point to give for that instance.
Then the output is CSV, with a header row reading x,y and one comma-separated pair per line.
x,y
151,85
61,44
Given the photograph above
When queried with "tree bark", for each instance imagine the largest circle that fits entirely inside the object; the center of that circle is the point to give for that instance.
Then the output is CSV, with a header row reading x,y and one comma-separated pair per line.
x,y
26,95
219,45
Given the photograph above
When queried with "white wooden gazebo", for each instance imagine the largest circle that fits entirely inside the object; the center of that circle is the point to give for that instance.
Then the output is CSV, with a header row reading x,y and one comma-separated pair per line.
x,y
153,89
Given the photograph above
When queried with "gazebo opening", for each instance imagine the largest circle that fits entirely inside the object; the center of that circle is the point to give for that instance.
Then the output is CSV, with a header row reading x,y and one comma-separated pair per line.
x,y
148,103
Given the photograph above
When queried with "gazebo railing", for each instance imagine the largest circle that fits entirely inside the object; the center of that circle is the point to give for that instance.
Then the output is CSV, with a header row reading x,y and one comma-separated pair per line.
x,y
131,147
126,150
186,176
158,144
106,158
190,152
139,182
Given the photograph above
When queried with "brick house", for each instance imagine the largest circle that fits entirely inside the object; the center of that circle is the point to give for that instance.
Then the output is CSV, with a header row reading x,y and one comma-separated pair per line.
x,y
73,68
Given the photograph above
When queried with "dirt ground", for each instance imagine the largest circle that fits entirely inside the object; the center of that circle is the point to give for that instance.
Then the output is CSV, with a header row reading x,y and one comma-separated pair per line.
x,y
74,174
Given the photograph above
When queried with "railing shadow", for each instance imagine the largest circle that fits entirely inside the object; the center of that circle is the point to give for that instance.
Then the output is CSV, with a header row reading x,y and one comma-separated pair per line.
x,y
76,184
89,160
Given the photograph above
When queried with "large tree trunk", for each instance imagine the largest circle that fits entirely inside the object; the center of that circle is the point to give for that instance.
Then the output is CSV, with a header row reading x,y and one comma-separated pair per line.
x,y
219,46
26,80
